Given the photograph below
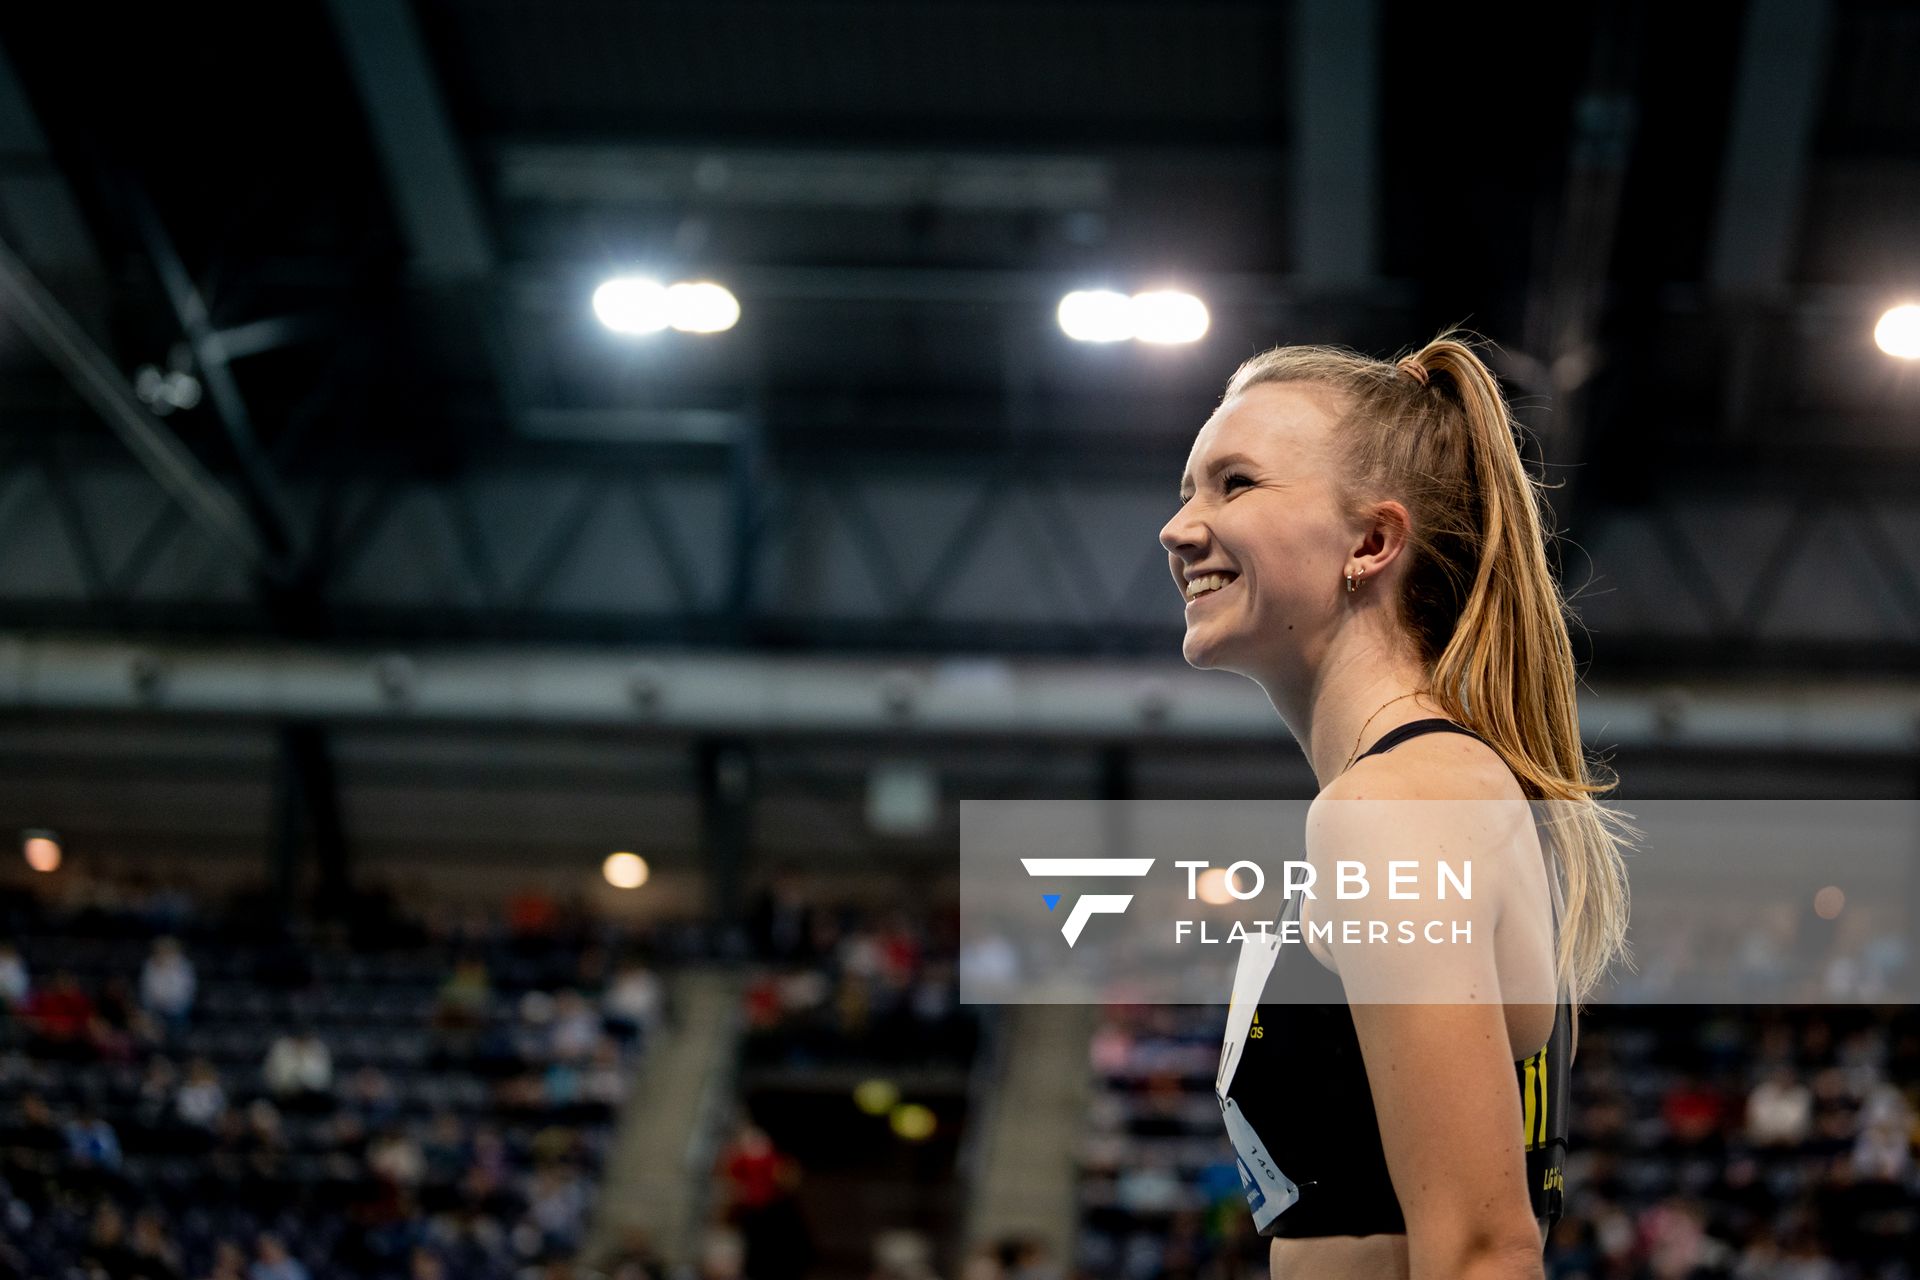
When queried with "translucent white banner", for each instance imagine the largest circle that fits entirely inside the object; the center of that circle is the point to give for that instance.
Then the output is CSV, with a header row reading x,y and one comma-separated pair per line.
x,y
1160,902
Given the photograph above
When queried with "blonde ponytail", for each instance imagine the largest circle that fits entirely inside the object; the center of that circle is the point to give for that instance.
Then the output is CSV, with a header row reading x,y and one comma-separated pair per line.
x,y
1480,599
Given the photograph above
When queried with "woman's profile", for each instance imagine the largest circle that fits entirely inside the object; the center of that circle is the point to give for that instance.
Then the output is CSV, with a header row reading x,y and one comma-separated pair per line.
x,y
1362,539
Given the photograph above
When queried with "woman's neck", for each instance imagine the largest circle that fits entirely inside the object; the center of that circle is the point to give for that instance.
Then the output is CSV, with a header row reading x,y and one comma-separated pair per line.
x,y
1359,693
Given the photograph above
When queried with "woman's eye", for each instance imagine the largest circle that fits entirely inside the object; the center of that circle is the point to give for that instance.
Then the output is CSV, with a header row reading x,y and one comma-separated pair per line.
x,y
1231,478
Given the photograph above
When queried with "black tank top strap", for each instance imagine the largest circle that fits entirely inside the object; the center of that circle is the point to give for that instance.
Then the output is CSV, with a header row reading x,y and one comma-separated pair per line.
x,y
1413,729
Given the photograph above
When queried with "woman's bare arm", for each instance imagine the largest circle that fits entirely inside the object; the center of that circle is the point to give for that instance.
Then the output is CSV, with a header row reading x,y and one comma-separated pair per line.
x,y
1433,1033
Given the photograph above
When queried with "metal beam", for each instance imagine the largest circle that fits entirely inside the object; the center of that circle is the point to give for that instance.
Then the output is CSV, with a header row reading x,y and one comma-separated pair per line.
x,y
94,375
1336,144
260,489
727,695
427,173
415,139
37,211
1782,57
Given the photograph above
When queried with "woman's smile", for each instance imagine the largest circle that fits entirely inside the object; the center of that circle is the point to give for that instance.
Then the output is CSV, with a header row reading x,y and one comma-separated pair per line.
x,y
1210,594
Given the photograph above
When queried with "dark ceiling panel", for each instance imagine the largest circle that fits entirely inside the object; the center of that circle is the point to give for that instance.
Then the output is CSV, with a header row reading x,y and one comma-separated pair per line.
x,y
869,68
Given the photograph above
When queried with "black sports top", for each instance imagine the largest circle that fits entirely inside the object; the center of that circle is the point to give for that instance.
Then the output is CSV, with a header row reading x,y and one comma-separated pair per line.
x,y
1302,1086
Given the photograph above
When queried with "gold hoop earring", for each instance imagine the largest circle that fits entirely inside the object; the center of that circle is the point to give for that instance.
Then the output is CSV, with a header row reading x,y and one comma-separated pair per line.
x,y
1353,582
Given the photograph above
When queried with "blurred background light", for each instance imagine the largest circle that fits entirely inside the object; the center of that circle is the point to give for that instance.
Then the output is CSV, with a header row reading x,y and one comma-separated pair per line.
x,y
701,306
1160,316
913,1122
1168,317
876,1097
1212,887
632,304
1830,902
1096,315
625,870
41,849
1898,333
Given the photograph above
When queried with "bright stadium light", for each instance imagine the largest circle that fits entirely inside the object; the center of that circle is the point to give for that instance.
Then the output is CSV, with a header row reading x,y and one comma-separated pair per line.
x,y
625,870
701,306
1096,315
632,304
1168,316
1898,332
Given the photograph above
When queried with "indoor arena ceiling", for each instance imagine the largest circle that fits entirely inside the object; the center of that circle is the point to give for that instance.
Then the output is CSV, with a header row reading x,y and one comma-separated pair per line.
x,y
366,233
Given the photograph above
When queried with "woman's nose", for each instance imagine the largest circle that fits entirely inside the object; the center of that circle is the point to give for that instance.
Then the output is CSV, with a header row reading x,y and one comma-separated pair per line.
x,y
1181,531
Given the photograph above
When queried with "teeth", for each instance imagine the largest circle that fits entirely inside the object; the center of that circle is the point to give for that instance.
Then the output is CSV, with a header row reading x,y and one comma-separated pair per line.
x,y
1212,582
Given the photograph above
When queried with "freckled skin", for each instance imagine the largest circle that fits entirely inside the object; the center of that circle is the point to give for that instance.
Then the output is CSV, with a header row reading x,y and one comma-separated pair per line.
x,y
1274,520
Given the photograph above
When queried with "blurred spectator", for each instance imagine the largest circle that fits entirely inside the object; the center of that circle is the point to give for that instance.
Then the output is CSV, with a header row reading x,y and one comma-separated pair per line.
x,y
154,1255
634,1258
263,1125
372,1094
560,1087
532,911
464,997
760,1185
168,982
61,1012
780,920
723,1255
107,1248
1779,1110
395,1156
1676,1243
632,1002
605,1081
273,1262
121,1027
1691,1110
557,1203
91,1141
14,982
902,1255
576,1027
201,1100
229,1262
299,1067
157,1088
445,1150
1883,1152
36,1133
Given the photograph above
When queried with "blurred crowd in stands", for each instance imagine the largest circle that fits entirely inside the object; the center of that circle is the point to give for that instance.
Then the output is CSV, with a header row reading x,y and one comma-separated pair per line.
x,y
192,1090
838,991
1707,1144
189,1090
842,983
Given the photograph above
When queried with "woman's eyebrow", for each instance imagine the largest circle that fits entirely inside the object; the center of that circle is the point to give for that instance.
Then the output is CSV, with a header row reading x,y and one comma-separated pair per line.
x,y
1218,465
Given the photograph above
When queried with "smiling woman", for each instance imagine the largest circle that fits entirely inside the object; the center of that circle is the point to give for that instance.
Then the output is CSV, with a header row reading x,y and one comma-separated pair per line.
x,y
1361,538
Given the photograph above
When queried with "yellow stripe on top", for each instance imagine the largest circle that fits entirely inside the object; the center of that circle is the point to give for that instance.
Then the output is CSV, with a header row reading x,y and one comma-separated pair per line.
x,y
1540,1138
1533,1100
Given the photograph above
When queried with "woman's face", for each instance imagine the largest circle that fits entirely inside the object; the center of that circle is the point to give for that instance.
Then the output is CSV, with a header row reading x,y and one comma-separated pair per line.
x,y
1258,506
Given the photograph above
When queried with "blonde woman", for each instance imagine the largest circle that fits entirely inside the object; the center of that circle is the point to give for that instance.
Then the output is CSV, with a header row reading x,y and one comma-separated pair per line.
x,y
1362,539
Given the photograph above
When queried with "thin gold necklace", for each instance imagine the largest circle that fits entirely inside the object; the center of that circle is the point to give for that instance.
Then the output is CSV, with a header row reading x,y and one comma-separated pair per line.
x,y
1354,754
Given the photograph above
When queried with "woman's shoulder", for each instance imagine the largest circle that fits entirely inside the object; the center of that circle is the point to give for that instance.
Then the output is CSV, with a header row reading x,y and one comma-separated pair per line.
x,y
1430,794
1429,766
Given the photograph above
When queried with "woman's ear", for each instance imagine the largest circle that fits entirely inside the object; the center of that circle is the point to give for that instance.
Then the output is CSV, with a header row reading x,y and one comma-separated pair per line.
x,y
1384,539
